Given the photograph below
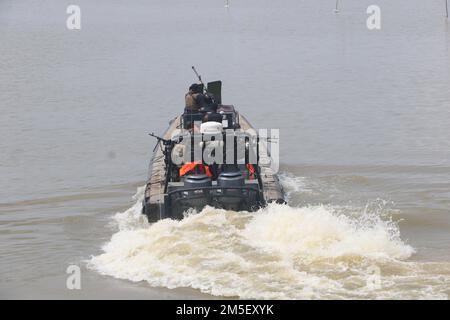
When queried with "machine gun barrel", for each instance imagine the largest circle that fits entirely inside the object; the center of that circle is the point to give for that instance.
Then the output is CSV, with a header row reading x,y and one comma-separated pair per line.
x,y
198,76
205,88
164,141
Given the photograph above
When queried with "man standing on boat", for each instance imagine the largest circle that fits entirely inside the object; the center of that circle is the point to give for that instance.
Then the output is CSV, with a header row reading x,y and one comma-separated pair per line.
x,y
197,101
194,99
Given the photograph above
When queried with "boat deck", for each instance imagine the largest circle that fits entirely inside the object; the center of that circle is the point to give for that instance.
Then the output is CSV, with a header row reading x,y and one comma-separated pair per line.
x,y
272,189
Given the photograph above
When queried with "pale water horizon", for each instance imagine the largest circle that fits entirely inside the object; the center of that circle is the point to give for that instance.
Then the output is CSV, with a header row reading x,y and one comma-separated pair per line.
x,y
364,120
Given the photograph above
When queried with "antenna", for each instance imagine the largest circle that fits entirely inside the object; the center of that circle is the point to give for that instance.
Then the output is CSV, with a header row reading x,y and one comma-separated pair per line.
x,y
336,9
446,8
227,3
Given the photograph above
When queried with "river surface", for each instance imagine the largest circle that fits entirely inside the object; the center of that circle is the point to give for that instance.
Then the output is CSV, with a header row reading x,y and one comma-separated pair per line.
x,y
364,119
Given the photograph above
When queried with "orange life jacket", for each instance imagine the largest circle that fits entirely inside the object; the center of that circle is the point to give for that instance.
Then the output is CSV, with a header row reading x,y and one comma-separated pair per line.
x,y
195,167
251,170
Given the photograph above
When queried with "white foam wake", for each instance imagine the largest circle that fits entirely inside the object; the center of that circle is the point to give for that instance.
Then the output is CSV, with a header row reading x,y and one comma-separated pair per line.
x,y
279,252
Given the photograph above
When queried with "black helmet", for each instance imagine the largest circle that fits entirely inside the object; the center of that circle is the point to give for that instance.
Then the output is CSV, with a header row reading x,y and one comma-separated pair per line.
x,y
195,88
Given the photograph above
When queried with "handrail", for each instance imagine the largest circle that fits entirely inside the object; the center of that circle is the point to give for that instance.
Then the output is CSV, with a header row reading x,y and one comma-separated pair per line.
x,y
259,199
253,187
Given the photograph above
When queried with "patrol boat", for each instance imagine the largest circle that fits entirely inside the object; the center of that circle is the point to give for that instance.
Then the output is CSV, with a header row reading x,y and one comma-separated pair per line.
x,y
234,165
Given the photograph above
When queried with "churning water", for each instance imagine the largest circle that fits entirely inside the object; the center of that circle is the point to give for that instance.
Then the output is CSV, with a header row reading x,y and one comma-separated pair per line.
x,y
279,252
